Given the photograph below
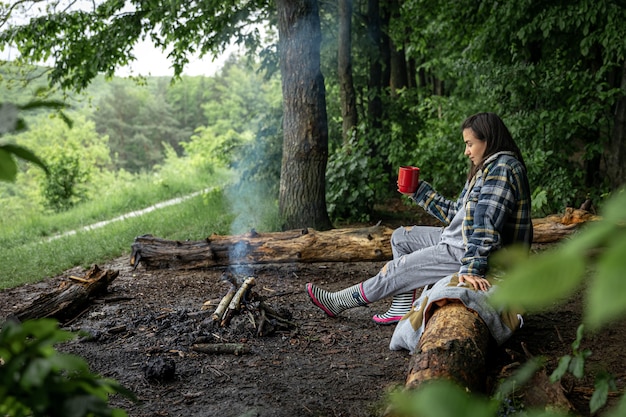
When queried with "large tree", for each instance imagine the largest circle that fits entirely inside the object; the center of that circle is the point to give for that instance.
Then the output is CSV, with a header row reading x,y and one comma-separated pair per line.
x,y
84,39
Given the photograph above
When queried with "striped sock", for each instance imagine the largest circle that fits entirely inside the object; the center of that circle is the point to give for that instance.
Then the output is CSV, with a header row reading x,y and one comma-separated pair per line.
x,y
400,305
334,303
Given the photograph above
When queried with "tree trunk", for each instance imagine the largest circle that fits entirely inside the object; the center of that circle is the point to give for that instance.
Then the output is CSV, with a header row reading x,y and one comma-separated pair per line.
x,y
302,196
398,78
70,298
375,81
616,151
368,244
344,63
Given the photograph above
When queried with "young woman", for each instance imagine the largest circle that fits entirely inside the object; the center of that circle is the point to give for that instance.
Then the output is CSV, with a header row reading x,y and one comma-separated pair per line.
x,y
492,211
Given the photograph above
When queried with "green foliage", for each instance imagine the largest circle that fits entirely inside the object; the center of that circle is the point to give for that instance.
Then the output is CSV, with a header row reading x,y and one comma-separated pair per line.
x,y
86,42
62,186
74,154
37,380
137,120
259,161
575,365
242,108
11,122
355,182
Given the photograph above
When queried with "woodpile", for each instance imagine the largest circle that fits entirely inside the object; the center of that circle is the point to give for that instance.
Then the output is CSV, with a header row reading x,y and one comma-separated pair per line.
x,y
240,299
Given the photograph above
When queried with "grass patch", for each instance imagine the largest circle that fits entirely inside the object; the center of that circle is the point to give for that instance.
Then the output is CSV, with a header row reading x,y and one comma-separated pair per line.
x,y
122,196
193,219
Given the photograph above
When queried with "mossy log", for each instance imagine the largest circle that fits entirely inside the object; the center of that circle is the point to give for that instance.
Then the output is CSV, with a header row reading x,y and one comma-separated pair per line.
x,y
306,245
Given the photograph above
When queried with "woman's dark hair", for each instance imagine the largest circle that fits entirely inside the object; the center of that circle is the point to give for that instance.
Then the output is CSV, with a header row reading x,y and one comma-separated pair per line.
x,y
490,128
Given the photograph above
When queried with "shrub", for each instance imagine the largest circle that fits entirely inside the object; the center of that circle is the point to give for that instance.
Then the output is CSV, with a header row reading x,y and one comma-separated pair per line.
x,y
36,380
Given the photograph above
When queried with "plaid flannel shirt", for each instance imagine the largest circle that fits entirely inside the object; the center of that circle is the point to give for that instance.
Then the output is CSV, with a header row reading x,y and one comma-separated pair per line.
x,y
497,210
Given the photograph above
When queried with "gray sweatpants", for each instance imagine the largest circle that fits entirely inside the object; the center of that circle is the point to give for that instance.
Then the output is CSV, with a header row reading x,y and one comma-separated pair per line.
x,y
419,259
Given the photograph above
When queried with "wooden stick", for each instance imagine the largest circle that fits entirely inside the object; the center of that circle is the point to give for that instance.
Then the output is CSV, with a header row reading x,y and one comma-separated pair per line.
x,y
236,300
218,348
221,307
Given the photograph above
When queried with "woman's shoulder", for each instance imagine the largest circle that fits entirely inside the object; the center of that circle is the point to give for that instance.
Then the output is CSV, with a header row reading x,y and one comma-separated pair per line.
x,y
504,160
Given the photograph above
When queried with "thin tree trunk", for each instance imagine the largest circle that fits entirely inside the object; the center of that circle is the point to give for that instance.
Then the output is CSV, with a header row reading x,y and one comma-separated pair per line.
x,y
398,77
375,85
302,195
616,151
344,62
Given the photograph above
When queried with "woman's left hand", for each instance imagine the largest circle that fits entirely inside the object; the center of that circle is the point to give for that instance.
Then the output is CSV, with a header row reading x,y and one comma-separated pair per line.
x,y
478,283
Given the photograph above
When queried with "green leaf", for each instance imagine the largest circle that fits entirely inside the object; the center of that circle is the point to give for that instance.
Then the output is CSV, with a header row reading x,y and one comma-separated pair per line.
x,y
613,211
25,154
442,399
8,167
607,290
577,366
600,395
36,373
538,284
519,378
580,331
560,370
619,410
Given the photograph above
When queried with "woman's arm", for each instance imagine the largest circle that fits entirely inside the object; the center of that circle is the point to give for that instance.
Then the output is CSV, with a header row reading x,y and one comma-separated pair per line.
x,y
435,204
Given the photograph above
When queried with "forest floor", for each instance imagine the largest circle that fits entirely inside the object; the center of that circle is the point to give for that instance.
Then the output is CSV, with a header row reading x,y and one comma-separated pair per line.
x,y
148,321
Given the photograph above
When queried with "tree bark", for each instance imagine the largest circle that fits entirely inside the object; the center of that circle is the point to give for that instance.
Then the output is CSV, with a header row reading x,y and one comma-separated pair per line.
x,y
344,68
302,195
368,244
70,298
338,245
454,346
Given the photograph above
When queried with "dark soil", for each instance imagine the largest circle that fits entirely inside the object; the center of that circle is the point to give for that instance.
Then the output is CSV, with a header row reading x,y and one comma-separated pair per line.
x,y
143,329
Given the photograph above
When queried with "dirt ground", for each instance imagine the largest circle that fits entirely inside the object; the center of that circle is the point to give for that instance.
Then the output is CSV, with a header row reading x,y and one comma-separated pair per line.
x,y
142,331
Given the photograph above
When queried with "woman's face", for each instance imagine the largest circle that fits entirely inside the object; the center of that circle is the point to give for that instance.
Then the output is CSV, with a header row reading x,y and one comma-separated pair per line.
x,y
474,147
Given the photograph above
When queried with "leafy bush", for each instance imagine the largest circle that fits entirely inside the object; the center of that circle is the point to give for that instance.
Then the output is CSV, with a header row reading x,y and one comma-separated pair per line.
x,y
355,181
36,380
63,188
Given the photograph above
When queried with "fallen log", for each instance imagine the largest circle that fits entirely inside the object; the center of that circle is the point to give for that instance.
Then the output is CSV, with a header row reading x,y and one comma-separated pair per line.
x,y
307,245
454,346
559,226
70,298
